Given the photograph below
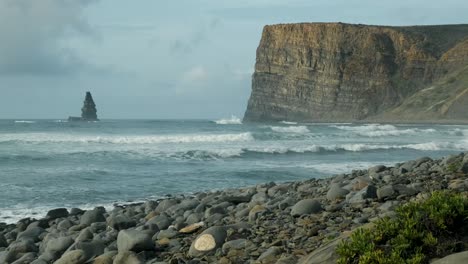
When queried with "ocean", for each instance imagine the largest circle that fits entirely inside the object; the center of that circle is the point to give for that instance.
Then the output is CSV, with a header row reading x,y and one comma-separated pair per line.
x,y
46,164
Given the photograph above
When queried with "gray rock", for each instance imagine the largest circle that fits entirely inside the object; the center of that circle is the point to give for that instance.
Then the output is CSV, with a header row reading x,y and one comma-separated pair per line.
x,y
76,211
169,233
385,192
457,258
133,240
160,221
92,216
193,218
31,234
323,255
238,244
164,205
368,192
128,257
270,255
183,206
121,221
376,169
72,257
22,246
57,213
58,245
64,224
306,206
26,258
3,241
336,192
85,234
91,248
208,241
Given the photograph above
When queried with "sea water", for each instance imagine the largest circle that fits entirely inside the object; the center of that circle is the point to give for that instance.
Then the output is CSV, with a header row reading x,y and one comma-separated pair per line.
x,y
47,164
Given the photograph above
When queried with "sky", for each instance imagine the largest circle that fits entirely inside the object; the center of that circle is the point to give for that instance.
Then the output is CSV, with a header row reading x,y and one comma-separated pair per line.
x,y
161,59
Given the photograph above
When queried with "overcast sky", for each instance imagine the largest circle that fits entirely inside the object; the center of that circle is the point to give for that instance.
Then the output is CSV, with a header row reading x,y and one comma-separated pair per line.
x,y
160,58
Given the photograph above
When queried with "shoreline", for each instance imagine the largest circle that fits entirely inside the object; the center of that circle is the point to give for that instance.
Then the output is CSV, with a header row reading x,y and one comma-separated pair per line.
x,y
267,223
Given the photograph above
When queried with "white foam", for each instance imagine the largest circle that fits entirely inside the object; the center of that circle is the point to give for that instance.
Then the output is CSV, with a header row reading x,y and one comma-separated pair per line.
x,y
290,129
109,139
288,123
377,130
234,120
25,121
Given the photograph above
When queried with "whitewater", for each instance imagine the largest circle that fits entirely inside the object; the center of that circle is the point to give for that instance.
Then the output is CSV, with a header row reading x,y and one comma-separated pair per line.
x,y
53,163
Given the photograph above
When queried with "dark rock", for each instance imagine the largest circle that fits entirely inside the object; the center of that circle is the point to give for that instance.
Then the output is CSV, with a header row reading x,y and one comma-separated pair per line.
x,y
57,213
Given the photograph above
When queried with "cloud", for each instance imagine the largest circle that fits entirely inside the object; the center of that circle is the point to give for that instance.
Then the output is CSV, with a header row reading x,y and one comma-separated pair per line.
x,y
185,45
196,74
35,33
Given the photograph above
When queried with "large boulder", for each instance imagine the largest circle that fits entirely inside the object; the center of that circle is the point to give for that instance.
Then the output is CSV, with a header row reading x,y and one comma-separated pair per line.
x,y
57,213
306,206
134,240
457,258
72,257
120,221
92,216
336,192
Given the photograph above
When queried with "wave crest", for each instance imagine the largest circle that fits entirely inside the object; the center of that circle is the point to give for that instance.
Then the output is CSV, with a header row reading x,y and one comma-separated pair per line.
x,y
234,120
148,139
290,129
377,130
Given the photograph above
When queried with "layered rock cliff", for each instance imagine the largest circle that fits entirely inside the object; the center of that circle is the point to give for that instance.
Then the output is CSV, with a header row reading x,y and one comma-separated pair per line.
x,y
344,72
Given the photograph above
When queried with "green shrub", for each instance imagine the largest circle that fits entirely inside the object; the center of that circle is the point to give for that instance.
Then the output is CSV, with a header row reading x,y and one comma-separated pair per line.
x,y
420,231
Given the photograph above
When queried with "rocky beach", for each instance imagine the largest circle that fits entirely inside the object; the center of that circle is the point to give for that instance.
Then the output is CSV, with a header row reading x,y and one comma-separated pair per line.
x,y
292,222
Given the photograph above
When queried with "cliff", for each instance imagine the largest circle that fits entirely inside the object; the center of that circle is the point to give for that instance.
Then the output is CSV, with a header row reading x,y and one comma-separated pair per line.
x,y
344,72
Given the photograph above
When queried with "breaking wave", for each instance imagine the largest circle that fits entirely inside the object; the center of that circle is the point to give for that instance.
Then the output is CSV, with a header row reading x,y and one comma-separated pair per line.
x,y
377,130
25,121
234,120
291,129
288,123
108,139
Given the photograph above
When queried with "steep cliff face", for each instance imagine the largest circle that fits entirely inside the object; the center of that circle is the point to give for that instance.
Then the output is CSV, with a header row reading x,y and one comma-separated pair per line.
x,y
343,72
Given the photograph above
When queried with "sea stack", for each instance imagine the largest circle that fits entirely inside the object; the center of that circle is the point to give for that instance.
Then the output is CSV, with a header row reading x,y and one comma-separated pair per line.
x,y
88,111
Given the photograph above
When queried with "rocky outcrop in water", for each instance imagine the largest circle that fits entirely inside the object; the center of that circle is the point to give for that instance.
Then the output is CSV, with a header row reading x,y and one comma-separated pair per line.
x,y
294,222
344,72
88,111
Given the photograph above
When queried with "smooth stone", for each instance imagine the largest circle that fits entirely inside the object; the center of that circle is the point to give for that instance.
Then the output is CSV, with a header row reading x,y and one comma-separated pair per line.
x,y
64,224
161,221
457,258
127,257
22,246
306,206
3,241
91,248
57,213
270,255
208,241
85,234
168,233
237,244
92,216
385,192
76,211
72,257
369,192
192,228
32,233
255,212
26,258
133,240
336,192
164,205
59,245
121,221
